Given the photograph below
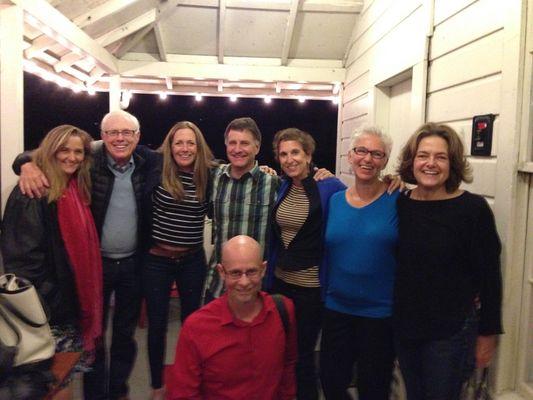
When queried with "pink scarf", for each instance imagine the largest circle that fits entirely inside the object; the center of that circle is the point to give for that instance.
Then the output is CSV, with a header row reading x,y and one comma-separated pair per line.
x,y
83,249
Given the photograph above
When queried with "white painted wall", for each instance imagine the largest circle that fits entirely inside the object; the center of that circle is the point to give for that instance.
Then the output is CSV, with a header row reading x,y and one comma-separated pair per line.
x,y
464,59
11,96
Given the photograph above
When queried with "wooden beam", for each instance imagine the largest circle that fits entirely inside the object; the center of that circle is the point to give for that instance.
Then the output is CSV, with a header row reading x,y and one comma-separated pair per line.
x,y
160,42
321,6
221,30
39,44
289,31
95,75
96,14
133,41
62,26
128,28
168,82
163,13
66,61
232,71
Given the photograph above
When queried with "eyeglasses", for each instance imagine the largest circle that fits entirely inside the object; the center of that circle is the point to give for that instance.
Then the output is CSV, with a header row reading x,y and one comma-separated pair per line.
x,y
363,151
236,274
127,133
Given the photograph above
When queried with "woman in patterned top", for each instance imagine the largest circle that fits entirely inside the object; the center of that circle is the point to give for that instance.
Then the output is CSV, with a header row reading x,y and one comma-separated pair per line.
x,y
295,258
176,196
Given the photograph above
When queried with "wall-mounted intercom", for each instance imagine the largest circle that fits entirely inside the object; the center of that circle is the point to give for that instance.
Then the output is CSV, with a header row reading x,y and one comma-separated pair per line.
x,y
482,135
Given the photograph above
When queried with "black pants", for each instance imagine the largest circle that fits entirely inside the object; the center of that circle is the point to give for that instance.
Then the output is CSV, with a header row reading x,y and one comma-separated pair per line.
x,y
158,275
347,339
308,311
123,278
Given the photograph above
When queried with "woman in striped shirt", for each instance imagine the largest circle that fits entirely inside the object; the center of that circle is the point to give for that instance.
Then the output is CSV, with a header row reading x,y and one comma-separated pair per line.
x,y
296,252
176,197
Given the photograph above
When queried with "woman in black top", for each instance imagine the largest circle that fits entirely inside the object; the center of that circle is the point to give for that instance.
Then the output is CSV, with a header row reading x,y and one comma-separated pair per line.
x,y
447,302
176,200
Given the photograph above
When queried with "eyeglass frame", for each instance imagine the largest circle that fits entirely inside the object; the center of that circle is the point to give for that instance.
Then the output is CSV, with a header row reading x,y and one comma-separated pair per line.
x,y
250,273
375,154
115,132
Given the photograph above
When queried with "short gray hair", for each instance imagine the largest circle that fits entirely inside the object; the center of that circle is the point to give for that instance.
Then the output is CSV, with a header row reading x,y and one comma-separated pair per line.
x,y
373,131
123,114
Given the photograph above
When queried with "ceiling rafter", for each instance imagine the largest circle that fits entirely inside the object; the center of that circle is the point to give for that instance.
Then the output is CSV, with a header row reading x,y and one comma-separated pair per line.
x,y
160,42
66,61
324,6
168,82
59,24
95,74
233,72
133,41
96,14
162,13
221,30
39,45
289,31
128,28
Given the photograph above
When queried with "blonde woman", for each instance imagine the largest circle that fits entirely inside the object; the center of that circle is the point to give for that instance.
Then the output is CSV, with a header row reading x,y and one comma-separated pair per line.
x,y
52,241
176,200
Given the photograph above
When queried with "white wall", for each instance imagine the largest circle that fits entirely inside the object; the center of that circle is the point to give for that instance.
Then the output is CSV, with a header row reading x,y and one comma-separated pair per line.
x,y
389,38
464,58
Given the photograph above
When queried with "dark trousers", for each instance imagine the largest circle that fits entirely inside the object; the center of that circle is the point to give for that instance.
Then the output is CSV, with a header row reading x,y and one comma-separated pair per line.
x,y
347,339
308,312
122,277
158,275
437,369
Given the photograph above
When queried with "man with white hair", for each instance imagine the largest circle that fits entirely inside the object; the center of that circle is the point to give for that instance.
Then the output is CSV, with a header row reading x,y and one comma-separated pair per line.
x,y
118,177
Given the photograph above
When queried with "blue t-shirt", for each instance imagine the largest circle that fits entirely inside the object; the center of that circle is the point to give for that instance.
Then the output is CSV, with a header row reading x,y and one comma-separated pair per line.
x,y
361,252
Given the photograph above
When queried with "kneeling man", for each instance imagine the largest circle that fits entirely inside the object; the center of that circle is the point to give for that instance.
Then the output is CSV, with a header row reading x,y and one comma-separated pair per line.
x,y
236,347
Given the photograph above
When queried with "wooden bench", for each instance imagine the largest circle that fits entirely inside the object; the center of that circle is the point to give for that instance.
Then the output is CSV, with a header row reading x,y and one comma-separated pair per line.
x,y
62,365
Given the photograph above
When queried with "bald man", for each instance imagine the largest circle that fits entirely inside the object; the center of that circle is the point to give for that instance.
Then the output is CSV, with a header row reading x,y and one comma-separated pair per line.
x,y
236,347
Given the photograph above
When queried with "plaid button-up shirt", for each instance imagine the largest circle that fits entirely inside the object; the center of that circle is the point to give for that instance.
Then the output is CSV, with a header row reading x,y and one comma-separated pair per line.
x,y
242,206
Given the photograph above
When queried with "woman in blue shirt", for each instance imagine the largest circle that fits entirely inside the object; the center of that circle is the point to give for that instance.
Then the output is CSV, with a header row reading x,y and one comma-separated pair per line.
x,y
361,236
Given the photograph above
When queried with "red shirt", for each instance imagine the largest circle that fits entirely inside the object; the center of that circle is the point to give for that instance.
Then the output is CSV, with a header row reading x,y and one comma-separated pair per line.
x,y
220,357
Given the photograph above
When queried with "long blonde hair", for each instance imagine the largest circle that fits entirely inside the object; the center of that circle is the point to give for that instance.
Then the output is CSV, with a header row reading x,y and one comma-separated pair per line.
x,y
45,158
202,163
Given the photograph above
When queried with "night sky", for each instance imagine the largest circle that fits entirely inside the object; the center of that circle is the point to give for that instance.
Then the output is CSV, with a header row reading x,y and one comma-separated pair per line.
x,y
48,105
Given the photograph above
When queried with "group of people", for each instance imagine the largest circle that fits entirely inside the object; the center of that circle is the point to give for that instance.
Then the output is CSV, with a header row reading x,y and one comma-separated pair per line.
x,y
382,274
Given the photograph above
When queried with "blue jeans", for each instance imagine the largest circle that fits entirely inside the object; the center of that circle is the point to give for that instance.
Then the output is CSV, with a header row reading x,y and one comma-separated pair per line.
x,y
437,369
122,277
158,275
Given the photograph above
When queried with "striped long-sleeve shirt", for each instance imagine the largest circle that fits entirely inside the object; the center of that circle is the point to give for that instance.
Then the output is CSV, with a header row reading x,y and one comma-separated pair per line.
x,y
178,223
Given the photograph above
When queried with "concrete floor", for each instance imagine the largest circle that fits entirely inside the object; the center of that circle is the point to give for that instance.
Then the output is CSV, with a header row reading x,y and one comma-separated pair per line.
x,y
140,378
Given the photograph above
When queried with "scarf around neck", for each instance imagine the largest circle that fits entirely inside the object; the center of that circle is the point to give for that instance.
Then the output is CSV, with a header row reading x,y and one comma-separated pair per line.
x,y
83,250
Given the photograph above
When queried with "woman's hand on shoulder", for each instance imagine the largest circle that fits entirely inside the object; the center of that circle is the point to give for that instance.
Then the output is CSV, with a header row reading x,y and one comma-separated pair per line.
x,y
267,170
394,182
321,174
